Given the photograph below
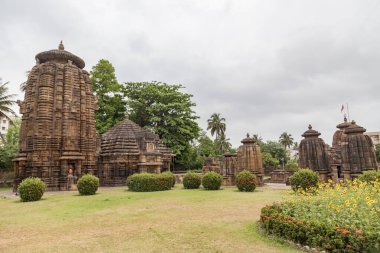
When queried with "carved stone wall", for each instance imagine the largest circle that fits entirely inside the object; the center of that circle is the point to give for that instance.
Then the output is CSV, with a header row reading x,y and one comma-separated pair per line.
x,y
57,128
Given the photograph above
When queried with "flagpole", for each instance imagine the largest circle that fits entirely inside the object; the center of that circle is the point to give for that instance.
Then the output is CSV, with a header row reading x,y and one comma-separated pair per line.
x,y
348,112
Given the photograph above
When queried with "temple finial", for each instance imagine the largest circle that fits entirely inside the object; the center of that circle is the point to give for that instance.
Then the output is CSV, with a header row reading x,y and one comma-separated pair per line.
x,y
61,47
345,118
247,135
310,127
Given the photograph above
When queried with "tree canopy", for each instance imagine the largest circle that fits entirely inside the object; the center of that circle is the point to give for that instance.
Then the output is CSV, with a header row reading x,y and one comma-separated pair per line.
x,y
217,125
6,101
164,109
10,146
286,139
111,102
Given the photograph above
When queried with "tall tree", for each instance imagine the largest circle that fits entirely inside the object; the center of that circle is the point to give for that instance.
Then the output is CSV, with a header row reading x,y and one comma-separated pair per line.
x,y
110,95
222,144
166,110
217,125
6,101
206,146
377,149
9,149
276,150
286,139
257,138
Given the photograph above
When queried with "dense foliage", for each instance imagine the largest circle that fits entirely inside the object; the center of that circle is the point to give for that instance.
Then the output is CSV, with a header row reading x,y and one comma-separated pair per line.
x,y
110,95
304,179
192,180
169,174
165,109
6,101
246,181
88,185
335,217
148,182
377,149
9,149
274,153
212,181
31,189
370,176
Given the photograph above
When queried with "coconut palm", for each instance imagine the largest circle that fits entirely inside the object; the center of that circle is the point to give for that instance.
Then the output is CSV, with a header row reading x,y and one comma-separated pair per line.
x,y
217,125
6,102
286,139
257,138
222,144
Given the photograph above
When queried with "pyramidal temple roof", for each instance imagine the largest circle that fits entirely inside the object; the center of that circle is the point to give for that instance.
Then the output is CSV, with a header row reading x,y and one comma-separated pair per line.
x,y
127,137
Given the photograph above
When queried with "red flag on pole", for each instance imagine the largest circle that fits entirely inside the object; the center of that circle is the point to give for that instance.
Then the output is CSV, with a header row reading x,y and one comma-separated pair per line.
x,y
342,108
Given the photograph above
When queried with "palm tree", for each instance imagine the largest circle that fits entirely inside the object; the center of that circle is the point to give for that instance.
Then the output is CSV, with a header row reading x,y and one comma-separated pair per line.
x,y
286,139
222,143
257,138
6,102
217,125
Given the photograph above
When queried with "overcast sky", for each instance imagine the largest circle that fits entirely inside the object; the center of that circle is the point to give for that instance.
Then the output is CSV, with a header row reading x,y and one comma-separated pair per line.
x,y
266,66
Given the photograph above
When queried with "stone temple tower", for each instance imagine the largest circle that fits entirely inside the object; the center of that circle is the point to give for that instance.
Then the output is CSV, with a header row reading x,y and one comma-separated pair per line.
x,y
57,135
313,153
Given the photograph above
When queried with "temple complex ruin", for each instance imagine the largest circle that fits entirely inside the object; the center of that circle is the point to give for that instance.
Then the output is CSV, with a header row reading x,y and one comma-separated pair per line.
x,y
57,132
313,153
351,153
248,157
127,148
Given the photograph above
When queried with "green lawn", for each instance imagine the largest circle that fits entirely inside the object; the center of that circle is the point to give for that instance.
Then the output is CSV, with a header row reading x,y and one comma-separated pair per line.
x,y
116,220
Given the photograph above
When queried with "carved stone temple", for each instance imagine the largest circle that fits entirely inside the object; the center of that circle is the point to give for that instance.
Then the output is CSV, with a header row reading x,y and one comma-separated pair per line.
x,y
57,128
58,141
351,153
248,157
313,153
127,148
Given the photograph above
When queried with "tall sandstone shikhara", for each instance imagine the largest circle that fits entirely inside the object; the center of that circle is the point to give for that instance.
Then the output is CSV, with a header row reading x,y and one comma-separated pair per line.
x,y
57,128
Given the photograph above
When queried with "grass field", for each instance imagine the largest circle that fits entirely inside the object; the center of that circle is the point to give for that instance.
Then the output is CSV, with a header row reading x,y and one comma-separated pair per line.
x,y
116,220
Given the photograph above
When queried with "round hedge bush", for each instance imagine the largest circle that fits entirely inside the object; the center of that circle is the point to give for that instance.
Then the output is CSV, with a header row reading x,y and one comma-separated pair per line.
x,y
88,185
212,181
169,174
192,180
304,179
246,181
31,189
148,182
370,176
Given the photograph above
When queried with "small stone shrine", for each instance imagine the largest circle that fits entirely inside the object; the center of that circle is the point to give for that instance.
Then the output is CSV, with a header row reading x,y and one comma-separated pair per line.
x,y
57,135
313,153
127,148
249,158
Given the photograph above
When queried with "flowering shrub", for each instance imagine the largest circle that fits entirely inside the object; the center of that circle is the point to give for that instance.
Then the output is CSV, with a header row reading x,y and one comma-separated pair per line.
x,y
370,175
304,179
338,218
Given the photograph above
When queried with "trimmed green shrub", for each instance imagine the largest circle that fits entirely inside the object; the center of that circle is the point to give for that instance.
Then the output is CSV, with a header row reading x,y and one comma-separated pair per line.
x,y
168,173
304,179
246,181
192,180
370,176
148,182
212,181
88,185
31,189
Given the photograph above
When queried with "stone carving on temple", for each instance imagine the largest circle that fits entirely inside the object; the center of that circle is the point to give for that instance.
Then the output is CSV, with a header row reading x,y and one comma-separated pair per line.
x,y
57,132
127,148
313,153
